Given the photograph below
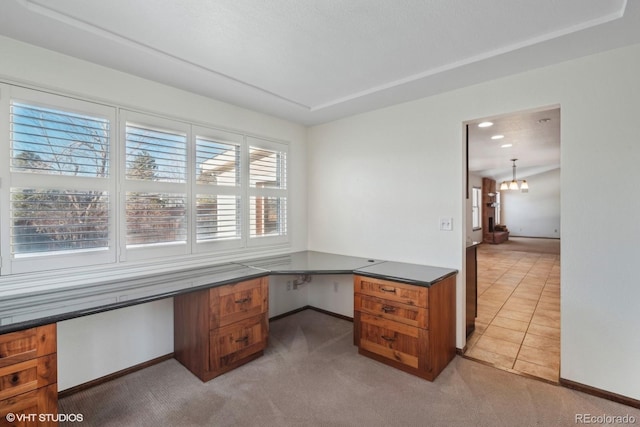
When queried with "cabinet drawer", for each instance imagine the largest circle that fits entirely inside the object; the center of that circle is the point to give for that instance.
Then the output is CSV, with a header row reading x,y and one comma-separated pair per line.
x,y
393,291
392,340
238,301
237,341
27,376
28,344
392,310
33,404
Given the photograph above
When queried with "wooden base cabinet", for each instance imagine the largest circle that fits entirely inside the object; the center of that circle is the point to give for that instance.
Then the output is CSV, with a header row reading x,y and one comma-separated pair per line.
x,y
409,327
29,377
221,328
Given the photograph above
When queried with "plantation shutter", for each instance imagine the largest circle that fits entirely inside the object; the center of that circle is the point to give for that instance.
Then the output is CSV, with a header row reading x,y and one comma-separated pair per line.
x,y
219,187
156,175
59,197
268,189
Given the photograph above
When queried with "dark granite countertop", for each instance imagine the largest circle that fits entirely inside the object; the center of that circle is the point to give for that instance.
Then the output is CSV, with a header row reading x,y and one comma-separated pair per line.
x,y
310,262
22,310
31,309
414,274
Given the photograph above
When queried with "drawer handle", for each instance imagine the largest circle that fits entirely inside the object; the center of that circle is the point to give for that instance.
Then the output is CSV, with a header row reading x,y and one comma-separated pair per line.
x,y
243,339
243,300
393,290
388,309
386,338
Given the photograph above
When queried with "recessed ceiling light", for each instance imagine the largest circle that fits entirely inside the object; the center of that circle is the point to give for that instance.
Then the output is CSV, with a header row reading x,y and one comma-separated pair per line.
x,y
545,120
506,145
497,137
485,124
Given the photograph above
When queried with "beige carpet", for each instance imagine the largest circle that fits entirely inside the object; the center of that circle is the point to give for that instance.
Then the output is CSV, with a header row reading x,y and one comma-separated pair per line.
x,y
312,375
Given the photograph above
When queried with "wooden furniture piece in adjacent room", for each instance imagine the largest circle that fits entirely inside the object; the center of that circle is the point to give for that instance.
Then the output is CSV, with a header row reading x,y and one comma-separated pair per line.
x,y
221,328
410,327
29,377
492,232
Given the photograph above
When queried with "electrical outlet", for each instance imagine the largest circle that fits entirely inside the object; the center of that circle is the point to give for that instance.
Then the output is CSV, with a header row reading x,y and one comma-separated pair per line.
x,y
446,223
335,286
288,285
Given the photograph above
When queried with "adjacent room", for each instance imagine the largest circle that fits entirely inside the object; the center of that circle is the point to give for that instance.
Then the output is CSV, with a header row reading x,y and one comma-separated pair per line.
x,y
287,213
513,213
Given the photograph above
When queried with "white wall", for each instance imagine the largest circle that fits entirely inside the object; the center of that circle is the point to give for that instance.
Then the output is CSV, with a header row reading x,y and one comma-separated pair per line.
x,y
379,182
93,346
284,297
134,333
332,292
536,213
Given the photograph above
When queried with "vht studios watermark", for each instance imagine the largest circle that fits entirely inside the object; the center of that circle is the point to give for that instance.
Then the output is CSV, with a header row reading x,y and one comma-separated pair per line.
x,y
604,419
42,418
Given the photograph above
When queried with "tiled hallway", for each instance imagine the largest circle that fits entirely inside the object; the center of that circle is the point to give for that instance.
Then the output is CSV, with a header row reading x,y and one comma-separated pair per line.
x,y
518,323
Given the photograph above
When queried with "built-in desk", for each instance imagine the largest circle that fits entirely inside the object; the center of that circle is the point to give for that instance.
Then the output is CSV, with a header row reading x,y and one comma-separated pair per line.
x,y
76,297
29,307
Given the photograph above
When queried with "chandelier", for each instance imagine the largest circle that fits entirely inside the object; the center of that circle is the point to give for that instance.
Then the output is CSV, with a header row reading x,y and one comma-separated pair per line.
x,y
513,184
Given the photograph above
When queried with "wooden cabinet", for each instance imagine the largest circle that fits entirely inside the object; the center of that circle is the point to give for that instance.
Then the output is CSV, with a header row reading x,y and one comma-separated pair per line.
x,y
221,328
472,288
407,326
29,377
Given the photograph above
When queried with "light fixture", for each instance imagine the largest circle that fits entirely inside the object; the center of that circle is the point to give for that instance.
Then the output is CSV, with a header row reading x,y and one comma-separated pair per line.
x,y
513,184
506,145
485,124
497,137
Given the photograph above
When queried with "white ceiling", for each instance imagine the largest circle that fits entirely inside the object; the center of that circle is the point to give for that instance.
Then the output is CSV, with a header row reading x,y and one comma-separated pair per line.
x,y
534,139
313,61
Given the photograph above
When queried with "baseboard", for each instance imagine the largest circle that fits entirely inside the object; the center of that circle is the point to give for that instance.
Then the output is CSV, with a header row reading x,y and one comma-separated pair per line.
x,y
600,393
310,307
113,376
330,313
461,351
535,237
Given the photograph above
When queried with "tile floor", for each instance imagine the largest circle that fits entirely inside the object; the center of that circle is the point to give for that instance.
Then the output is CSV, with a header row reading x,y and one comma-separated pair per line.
x,y
518,323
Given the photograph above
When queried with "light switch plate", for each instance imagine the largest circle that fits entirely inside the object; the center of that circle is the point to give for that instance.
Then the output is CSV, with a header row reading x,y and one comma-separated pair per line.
x,y
446,224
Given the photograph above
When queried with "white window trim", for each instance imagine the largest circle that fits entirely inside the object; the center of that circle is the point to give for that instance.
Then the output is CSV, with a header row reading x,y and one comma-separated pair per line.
x,y
118,260
52,261
160,250
261,241
239,191
479,200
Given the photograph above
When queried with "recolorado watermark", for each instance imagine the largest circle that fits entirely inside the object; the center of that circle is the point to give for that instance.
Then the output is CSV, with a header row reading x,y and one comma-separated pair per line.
x,y
43,418
604,419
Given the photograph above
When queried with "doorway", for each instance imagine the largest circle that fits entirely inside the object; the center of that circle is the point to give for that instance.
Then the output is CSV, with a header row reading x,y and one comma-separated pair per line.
x,y
517,327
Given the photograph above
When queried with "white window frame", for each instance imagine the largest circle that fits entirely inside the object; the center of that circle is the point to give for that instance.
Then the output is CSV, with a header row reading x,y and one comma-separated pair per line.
x,y
200,189
64,259
476,210
259,241
136,258
160,250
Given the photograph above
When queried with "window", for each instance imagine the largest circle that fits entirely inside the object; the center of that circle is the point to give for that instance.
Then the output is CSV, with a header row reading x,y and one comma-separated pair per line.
x,y
61,185
155,206
268,189
476,208
87,189
218,183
